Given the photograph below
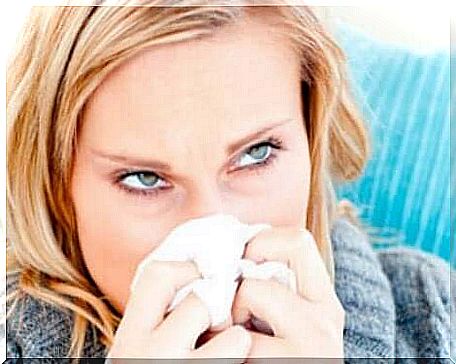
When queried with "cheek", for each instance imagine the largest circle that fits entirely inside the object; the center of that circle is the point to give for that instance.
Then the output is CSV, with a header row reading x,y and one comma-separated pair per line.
x,y
113,240
289,197
281,195
292,194
111,256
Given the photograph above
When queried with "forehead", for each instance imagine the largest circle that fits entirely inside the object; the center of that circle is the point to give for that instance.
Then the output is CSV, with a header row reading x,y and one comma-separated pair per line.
x,y
220,87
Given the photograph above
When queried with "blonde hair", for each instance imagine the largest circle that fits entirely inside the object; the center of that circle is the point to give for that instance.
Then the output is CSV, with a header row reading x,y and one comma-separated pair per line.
x,y
64,54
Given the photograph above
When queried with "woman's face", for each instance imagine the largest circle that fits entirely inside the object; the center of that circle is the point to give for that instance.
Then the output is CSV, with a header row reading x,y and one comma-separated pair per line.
x,y
182,131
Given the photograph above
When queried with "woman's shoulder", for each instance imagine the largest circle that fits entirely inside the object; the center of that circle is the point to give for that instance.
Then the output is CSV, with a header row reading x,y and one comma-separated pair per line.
x,y
408,270
398,296
417,277
422,286
37,328
402,262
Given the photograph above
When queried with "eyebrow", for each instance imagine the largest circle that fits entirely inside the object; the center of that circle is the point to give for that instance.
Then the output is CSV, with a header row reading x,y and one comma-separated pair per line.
x,y
154,164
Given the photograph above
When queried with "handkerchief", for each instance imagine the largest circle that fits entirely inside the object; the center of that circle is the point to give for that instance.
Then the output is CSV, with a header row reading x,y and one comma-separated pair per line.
x,y
216,244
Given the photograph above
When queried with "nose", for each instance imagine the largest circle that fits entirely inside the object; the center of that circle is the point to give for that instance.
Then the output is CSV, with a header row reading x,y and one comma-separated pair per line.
x,y
206,199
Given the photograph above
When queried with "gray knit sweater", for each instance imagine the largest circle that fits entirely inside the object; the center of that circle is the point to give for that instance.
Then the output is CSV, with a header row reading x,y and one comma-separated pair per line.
x,y
397,303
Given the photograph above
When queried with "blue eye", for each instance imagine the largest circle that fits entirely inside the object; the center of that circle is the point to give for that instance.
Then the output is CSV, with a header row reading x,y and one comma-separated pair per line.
x,y
141,179
140,183
258,153
147,183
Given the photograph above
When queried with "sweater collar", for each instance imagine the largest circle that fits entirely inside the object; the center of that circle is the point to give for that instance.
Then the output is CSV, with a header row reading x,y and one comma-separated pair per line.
x,y
365,293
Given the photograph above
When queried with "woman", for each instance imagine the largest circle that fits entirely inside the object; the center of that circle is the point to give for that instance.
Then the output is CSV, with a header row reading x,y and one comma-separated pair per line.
x,y
127,121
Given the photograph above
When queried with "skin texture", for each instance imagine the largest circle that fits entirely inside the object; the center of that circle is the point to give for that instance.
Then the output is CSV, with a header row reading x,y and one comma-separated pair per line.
x,y
183,104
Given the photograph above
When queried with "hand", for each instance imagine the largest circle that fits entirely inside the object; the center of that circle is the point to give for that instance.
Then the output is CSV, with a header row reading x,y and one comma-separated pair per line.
x,y
147,332
308,323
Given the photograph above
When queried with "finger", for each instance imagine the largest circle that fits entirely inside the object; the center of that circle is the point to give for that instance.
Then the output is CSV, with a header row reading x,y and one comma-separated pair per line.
x,y
185,323
155,288
224,325
268,301
298,250
234,342
264,346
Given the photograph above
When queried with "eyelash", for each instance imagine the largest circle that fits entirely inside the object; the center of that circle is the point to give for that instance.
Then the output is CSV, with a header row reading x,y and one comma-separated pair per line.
x,y
257,168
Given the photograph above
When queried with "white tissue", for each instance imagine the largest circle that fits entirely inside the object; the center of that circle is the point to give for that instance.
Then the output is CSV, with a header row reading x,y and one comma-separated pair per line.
x,y
216,244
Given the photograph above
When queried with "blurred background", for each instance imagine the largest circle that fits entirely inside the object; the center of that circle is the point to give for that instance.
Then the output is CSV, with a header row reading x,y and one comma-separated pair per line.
x,y
399,64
